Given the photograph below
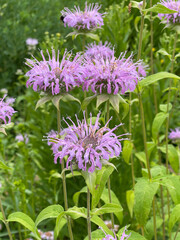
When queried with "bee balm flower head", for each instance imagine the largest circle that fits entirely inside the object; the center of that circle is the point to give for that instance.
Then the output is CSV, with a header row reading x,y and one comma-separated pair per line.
x,y
86,20
175,134
54,76
101,50
86,145
6,111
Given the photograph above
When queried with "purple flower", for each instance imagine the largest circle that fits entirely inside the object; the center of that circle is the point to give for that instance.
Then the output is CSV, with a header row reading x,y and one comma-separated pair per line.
x,y
175,134
86,145
21,138
112,75
31,41
88,19
123,237
6,111
54,76
171,17
100,50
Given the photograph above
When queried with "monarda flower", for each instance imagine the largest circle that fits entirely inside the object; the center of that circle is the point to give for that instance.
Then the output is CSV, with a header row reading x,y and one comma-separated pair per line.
x,y
171,17
31,41
6,111
86,20
112,75
54,76
86,146
175,134
101,50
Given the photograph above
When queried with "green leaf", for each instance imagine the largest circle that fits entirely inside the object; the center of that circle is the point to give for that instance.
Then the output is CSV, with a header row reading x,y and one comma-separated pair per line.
x,y
114,101
2,130
149,228
96,235
107,208
156,77
101,179
159,8
105,199
93,36
142,157
52,211
68,97
99,222
144,194
74,174
163,52
76,195
23,219
134,235
59,227
173,184
3,166
172,156
174,217
157,123
87,101
130,201
56,99
164,107
42,101
90,179
127,150
101,99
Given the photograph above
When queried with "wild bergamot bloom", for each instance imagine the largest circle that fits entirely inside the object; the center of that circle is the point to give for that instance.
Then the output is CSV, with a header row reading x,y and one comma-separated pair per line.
x,y
99,50
112,75
175,134
86,20
6,111
171,17
54,75
86,146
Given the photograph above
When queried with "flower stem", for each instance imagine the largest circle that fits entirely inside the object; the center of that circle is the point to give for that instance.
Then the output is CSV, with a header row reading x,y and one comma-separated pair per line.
x,y
142,117
167,123
88,213
109,181
177,232
130,138
64,179
5,221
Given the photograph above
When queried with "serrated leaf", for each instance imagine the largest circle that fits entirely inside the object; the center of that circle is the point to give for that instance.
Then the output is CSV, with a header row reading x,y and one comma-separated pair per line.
x,y
56,99
127,150
68,97
174,217
164,107
58,227
52,211
3,166
159,8
23,219
157,123
172,156
87,101
99,222
101,99
144,193
156,77
101,180
42,101
107,208
133,235
90,179
130,201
